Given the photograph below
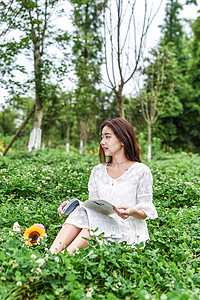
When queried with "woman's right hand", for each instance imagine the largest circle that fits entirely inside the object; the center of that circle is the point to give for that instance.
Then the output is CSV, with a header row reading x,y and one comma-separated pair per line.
x,y
60,208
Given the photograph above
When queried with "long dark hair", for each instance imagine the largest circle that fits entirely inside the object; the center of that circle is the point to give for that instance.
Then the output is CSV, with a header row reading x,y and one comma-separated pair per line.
x,y
125,133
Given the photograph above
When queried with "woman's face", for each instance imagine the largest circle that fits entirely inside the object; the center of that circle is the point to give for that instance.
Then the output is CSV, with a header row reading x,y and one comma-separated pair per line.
x,y
110,143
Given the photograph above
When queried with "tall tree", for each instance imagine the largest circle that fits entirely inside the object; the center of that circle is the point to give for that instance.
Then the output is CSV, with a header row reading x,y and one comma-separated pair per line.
x,y
151,99
191,120
87,59
173,29
124,40
31,33
175,38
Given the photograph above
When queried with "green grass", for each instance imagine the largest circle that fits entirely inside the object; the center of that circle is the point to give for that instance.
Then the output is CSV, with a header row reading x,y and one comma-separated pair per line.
x,y
31,188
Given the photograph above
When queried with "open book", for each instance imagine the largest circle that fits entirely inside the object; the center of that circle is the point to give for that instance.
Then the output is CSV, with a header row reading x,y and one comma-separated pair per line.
x,y
98,212
101,206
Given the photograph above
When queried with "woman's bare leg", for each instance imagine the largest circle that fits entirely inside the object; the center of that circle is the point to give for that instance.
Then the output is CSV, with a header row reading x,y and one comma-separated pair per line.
x,y
65,236
79,241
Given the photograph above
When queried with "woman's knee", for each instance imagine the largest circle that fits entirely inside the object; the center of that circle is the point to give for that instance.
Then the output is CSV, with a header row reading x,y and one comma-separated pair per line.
x,y
85,232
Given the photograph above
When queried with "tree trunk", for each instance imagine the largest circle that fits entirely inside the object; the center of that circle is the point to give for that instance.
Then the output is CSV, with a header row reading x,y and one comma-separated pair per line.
x,y
120,101
81,147
149,142
36,133
67,140
83,134
19,130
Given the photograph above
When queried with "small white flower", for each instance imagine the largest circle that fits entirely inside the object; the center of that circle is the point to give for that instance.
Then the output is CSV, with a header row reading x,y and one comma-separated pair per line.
x,y
88,294
38,271
19,283
39,240
76,250
15,265
26,242
157,232
91,289
33,256
40,261
11,233
16,227
119,283
163,297
25,208
57,259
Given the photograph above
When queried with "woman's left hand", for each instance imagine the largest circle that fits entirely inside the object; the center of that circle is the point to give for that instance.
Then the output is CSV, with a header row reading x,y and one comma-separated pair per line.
x,y
124,211
127,211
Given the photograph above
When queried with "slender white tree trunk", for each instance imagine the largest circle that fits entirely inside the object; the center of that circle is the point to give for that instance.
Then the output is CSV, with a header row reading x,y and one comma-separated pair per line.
x,y
81,146
36,133
149,142
67,140
35,139
67,147
83,134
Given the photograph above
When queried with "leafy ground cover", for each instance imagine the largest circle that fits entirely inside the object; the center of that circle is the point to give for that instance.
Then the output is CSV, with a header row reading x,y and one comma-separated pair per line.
x,y
32,186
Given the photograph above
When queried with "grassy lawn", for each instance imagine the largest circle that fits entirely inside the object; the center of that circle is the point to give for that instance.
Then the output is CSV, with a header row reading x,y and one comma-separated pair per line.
x,y
31,188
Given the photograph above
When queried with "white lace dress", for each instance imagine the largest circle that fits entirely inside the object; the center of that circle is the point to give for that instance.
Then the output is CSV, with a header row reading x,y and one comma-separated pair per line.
x,y
133,188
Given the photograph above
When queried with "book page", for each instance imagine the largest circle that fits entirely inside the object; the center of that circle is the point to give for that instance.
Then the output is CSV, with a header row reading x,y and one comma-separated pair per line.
x,y
104,224
101,206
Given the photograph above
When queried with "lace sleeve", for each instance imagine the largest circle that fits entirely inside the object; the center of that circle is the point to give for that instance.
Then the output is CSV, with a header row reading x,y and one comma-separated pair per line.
x,y
92,186
145,194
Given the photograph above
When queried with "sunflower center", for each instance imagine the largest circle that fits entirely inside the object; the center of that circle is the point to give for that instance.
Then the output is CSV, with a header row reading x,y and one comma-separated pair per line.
x,y
34,236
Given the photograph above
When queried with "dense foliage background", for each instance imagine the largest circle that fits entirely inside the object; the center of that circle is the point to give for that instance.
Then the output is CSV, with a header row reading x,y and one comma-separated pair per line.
x,y
31,188
72,113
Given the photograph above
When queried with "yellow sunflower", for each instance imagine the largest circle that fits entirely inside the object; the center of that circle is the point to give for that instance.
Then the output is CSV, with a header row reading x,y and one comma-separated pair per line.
x,y
33,233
